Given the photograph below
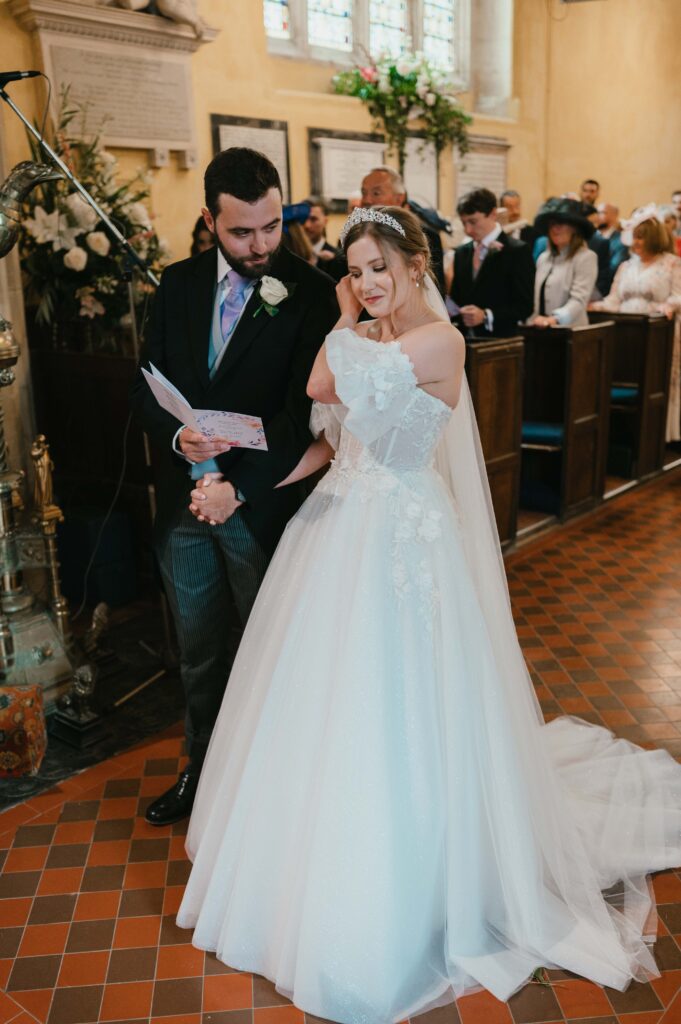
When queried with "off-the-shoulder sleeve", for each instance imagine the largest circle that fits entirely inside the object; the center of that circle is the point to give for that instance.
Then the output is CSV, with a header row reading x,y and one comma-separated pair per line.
x,y
373,380
324,419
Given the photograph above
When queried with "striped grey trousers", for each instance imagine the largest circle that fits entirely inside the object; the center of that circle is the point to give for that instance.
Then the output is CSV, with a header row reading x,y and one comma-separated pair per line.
x,y
211,576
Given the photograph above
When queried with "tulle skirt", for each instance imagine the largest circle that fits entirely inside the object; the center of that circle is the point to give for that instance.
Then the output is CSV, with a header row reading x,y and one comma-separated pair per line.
x,y
379,827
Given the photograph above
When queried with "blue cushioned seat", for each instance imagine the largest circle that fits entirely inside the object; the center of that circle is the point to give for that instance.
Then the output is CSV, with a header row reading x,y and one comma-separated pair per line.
x,y
625,395
542,433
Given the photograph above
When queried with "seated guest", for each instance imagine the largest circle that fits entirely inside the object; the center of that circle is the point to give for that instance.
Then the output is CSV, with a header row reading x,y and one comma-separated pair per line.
x,y
567,269
493,273
609,227
383,186
328,258
589,191
676,203
596,242
512,221
296,241
202,238
650,282
671,222
601,246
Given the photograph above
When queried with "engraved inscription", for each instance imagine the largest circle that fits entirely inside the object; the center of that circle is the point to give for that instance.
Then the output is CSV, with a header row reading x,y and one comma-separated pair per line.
x,y
139,99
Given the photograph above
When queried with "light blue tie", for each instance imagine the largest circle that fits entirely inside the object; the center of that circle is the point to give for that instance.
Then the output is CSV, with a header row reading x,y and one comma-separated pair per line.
x,y
231,305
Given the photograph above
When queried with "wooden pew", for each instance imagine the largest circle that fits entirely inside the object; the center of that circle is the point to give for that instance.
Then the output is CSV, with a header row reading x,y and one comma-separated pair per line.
x,y
566,406
494,370
641,372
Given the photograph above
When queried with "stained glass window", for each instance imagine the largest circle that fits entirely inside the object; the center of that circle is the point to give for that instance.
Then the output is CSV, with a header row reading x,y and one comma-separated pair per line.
x,y
438,32
277,19
388,27
329,24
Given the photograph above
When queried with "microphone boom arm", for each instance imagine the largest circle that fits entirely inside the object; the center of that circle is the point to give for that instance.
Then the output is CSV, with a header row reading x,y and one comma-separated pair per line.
x,y
115,233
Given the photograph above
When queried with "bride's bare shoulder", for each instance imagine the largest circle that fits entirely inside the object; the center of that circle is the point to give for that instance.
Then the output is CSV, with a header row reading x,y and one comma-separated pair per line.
x,y
437,336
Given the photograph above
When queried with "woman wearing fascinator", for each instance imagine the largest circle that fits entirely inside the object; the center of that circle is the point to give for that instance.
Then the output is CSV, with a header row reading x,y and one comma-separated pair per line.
x,y
650,282
384,822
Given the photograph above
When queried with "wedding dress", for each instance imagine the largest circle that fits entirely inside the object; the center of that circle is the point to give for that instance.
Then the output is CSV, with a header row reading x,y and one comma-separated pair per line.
x,y
383,821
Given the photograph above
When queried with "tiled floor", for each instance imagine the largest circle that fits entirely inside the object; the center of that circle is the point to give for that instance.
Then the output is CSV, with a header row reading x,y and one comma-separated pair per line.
x,y
88,891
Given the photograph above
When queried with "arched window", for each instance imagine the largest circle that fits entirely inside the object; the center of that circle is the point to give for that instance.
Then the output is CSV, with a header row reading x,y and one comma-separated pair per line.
x,y
347,31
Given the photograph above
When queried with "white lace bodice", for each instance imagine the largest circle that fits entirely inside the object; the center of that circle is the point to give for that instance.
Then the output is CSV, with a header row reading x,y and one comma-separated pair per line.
x,y
386,422
645,287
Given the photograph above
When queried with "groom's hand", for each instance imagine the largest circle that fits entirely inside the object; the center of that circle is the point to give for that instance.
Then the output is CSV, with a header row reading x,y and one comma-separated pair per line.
x,y
198,447
215,505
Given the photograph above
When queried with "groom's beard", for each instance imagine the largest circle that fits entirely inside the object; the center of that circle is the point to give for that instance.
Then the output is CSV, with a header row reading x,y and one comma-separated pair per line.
x,y
246,267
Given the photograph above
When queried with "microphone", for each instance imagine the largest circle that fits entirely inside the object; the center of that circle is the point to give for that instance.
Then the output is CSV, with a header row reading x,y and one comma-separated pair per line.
x,y
15,76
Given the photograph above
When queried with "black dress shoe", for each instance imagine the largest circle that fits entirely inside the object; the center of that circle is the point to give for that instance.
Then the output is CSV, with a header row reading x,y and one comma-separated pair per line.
x,y
176,804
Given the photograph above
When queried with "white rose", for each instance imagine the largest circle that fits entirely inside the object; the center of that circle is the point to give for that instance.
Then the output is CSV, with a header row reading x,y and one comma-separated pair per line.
x,y
75,259
138,214
272,291
98,242
430,99
81,211
403,66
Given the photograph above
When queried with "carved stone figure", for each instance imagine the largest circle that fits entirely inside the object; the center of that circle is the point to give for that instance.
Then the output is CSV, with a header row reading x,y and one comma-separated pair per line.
x,y
43,466
185,12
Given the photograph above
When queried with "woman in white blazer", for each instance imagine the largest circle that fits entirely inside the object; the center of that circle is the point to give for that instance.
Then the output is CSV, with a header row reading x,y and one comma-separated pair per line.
x,y
567,269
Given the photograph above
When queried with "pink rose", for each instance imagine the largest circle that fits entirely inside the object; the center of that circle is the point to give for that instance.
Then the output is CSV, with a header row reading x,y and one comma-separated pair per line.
x,y
368,74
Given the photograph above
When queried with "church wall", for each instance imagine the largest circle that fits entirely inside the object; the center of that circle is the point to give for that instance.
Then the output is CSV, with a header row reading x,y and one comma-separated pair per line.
x,y
596,95
615,99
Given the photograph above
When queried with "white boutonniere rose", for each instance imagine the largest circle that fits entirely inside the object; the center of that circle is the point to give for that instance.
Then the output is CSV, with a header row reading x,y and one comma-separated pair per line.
x,y
272,292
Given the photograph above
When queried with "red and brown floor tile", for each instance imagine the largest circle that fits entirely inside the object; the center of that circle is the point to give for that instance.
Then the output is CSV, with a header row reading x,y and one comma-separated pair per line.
x,y
89,890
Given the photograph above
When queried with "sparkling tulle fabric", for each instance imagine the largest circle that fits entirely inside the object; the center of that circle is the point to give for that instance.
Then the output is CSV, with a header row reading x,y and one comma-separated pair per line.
x,y
383,822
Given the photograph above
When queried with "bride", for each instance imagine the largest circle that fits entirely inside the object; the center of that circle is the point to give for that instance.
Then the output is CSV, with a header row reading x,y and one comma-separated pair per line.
x,y
384,822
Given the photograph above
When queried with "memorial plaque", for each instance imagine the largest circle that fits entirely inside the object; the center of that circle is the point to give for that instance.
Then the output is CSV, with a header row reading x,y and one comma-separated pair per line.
x,y
339,161
421,172
269,137
484,166
139,100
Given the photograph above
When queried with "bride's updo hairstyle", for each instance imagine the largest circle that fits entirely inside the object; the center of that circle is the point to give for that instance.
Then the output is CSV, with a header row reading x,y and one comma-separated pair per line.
x,y
389,240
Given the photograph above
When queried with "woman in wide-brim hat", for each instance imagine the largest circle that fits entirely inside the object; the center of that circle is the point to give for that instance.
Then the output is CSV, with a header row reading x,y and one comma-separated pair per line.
x,y
567,269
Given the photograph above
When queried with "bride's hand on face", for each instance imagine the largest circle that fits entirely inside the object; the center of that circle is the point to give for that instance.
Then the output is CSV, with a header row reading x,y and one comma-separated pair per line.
x,y
350,306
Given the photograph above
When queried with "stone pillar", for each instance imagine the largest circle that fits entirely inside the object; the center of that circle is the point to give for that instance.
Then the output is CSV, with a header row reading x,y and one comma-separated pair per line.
x,y
492,56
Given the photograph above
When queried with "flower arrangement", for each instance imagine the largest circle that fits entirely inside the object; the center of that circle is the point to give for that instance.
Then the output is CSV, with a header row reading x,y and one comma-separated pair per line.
x,y
72,270
408,88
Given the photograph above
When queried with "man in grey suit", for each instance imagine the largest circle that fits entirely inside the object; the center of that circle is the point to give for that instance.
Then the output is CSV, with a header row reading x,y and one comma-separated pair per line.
x,y
227,346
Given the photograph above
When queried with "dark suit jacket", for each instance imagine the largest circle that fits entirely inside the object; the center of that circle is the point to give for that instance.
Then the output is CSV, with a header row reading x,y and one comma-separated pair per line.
x,y
504,284
436,255
264,372
336,267
601,246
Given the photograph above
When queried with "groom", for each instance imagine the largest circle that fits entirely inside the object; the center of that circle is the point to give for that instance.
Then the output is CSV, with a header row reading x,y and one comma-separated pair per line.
x,y
229,340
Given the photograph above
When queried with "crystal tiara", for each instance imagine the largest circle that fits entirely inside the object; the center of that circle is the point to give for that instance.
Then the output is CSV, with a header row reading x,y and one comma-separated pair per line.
x,y
360,215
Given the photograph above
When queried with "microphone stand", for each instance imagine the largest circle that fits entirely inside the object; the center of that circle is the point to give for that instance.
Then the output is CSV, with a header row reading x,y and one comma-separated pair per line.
x,y
131,261
113,231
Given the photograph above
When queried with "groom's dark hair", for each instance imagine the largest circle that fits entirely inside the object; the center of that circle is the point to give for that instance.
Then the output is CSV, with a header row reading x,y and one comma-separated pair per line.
x,y
240,172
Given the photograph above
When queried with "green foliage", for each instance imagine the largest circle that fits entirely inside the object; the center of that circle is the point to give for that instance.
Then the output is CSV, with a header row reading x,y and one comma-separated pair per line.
x,y
398,91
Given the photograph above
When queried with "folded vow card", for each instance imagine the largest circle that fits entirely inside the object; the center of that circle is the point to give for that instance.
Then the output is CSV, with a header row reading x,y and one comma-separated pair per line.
x,y
240,430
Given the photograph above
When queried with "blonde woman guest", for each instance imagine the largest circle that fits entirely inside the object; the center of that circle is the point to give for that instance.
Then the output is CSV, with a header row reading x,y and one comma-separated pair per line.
x,y
650,282
567,269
